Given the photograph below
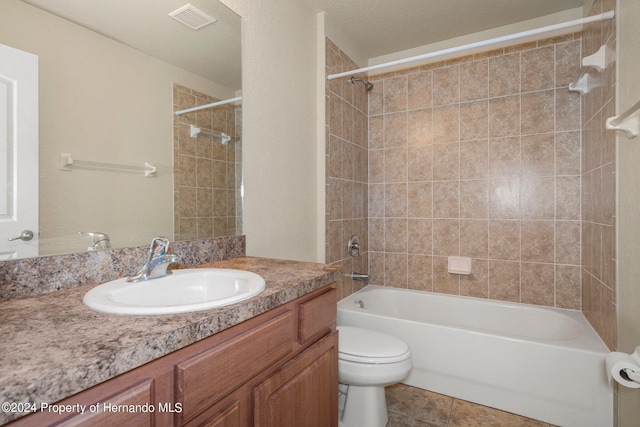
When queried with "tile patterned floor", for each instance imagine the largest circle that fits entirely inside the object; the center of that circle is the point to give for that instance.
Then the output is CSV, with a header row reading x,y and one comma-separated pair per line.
x,y
414,407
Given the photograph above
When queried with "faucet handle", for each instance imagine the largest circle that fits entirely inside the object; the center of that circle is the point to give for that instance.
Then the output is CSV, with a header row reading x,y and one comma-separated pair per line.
x,y
353,246
159,246
98,240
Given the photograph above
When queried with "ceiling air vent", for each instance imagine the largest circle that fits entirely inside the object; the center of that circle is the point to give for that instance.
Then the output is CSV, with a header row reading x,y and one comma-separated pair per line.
x,y
192,17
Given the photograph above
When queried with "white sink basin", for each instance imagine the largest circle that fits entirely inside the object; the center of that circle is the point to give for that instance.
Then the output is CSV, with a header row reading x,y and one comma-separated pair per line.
x,y
183,291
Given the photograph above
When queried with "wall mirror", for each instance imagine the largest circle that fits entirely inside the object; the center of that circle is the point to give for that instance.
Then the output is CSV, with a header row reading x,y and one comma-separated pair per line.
x,y
111,74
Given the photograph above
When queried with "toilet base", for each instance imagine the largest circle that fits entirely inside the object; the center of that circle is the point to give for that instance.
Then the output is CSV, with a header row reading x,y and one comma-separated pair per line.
x,y
364,406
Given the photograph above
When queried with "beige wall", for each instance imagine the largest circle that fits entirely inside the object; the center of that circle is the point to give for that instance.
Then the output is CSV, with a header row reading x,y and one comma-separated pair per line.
x,y
280,131
628,236
100,101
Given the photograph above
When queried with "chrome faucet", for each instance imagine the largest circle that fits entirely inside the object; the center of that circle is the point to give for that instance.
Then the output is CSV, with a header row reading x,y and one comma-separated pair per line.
x,y
157,261
99,240
363,277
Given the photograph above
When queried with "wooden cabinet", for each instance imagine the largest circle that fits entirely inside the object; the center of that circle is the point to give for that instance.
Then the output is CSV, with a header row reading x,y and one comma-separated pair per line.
x,y
303,392
277,369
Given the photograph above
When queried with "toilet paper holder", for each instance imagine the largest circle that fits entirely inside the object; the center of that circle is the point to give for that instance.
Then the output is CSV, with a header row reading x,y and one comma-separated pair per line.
x,y
630,375
624,368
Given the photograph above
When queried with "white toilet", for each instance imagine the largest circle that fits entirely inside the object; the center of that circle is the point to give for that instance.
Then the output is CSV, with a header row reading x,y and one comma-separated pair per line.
x,y
367,362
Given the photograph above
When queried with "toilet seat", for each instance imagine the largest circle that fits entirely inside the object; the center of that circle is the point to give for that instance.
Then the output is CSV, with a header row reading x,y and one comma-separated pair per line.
x,y
367,346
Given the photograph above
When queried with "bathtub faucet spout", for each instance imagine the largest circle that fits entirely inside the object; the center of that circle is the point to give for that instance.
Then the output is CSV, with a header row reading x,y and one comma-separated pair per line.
x,y
363,277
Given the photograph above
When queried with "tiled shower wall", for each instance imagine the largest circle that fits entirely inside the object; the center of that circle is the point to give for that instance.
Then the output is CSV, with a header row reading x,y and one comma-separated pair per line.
x,y
207,174
346,168
599,184
479,157
476,157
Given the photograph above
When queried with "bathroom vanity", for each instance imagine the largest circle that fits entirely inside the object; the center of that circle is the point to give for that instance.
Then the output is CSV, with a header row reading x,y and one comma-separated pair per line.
x,y
276,367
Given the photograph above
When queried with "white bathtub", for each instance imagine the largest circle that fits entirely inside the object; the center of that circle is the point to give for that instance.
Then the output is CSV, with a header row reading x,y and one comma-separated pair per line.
x,y
542,363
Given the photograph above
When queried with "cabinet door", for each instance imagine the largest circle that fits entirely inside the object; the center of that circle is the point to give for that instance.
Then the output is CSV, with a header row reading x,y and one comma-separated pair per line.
x,y
132,399
304,392
205,378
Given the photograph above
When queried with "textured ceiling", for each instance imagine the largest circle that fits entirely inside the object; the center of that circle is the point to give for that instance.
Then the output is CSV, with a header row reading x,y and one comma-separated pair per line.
x,y
212,52
381,27
376,27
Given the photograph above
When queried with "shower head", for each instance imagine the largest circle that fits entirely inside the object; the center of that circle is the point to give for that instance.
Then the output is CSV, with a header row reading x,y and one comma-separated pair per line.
x,y
367,84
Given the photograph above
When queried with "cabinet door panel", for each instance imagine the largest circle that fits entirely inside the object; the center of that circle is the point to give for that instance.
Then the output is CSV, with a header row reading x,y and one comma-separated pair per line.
x,y
230,417
317,316
304,392
205,378
138,398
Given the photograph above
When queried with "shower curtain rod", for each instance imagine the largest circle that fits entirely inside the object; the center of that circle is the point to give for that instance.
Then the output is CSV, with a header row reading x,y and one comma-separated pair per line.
x,y
488,42
213,104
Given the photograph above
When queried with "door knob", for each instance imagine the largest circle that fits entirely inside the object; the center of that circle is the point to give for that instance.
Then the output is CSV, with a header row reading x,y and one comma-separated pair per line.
x,y
26,235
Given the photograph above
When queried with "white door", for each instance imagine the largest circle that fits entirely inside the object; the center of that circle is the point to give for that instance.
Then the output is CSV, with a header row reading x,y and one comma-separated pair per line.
x,y
18,153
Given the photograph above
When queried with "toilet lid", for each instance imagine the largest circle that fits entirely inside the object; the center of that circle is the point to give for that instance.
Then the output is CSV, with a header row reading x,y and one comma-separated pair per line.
x,y
368,346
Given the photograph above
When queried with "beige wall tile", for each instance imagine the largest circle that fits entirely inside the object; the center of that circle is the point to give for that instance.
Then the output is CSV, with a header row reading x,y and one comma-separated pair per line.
x,y
475,237
474,120
474,159
446,161
376,234
504,280
474,80
420,236
446,237
538,240
568,242
420,128
376,132
537,198
395,200
568,197
446,199
395,235
443,281
567,110
395,94
419,199
538,112
537,69
474,199
504,75
504,116
420,163
446,123
504,157
568,285
395,270
421,272
419,90
537,284
395,164
376,201
567,62
376,166
537,154
568,153
395,130
504,240
446,85
476,284
504,198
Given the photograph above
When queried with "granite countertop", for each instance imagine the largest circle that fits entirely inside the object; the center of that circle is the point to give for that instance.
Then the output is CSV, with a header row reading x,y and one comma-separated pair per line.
x,y
53,346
